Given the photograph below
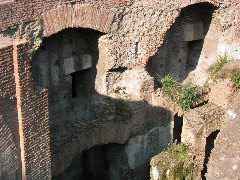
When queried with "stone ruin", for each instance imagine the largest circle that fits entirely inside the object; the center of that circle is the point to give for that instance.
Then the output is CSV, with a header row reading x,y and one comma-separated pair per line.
x,y
78,92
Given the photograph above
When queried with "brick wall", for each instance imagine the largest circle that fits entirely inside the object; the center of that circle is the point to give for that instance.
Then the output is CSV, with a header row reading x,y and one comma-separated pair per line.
x,y
82,15
14,13
10,163
32,105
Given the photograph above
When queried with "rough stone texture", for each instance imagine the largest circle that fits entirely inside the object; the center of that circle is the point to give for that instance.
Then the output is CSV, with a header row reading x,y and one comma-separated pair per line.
x,y
222,92
198,124
224,162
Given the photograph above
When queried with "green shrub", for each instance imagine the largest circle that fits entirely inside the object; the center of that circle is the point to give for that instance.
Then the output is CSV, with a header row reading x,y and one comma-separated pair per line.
x,y
236,79
186,96
180,150
177,161
170,87
183,94
216,67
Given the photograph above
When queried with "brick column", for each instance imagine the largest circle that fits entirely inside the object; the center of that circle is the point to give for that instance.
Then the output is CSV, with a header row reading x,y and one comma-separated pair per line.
x,y
32,105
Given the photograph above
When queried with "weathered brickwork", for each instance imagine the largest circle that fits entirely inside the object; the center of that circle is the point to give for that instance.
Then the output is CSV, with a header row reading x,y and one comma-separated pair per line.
x,y
82,15
33,118
10,164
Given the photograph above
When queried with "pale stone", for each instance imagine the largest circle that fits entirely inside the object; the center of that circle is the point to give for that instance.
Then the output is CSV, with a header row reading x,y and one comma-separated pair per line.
x,y
155,173
69,65
231,115
194,32
232,50
85,62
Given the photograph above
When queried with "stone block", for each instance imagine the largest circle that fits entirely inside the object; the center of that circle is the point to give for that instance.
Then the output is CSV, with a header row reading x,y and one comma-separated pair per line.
x,y
83,62
69,65
194,31
222,92
77,63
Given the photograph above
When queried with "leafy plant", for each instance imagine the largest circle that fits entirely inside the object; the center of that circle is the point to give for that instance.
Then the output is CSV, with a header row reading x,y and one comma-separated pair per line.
x,y
236,79
216,67
186,96
183,94
180,150
170,86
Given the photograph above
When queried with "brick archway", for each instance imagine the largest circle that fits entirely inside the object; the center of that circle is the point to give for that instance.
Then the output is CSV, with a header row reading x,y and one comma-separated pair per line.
x,y
80,15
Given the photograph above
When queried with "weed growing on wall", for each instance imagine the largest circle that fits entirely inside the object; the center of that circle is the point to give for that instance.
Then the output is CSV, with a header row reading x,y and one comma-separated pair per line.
x,y
236,79
180,150
175,163
183,94
216,67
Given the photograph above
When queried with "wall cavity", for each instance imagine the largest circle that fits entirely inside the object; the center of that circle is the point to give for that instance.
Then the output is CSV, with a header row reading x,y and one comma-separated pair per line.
x,y
182,47
65,64
177,129
210,140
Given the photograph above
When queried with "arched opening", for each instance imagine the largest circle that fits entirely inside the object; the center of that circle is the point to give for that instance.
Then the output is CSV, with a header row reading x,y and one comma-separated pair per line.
x,y
182,46
65,64
91,164
96,163
209,147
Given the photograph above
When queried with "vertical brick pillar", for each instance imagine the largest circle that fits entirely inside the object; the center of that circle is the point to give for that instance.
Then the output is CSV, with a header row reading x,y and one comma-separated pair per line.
x,y
32,105
10,161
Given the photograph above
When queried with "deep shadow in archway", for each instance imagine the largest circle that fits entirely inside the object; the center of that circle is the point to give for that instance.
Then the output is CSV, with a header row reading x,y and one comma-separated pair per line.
x,y
65,64
177,129
81,118
181,49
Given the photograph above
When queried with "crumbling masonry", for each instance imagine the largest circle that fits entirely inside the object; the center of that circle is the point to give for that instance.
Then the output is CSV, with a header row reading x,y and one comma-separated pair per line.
x,y
78,94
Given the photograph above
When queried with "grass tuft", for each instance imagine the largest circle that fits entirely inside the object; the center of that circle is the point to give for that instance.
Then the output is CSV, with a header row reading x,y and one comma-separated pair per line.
x,y
183,94
216,67
180,150
236,79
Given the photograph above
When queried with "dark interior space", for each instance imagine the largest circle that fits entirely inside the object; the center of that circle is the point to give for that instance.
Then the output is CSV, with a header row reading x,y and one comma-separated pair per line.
x,y
91,164
194,52
95,163
180,51
209,146
177,129
65,64
83,83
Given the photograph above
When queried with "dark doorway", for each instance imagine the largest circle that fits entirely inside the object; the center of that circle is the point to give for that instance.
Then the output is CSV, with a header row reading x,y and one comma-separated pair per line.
x,y
209,146
95,164
177,129
181,49
194,52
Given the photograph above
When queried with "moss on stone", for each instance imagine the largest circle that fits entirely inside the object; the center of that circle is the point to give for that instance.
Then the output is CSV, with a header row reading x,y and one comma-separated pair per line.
x,y
173,164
